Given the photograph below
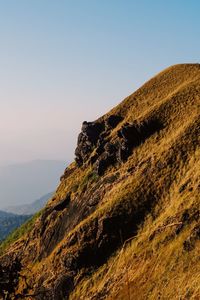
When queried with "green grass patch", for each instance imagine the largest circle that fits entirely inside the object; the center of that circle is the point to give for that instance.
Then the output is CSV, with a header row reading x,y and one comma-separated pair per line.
x,y
90,177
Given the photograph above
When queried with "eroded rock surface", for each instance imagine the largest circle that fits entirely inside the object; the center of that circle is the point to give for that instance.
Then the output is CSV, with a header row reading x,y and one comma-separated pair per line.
x,y
95,137
87,139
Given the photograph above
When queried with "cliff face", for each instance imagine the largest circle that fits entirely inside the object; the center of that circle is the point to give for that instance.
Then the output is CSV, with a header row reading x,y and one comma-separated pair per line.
x,y
124,222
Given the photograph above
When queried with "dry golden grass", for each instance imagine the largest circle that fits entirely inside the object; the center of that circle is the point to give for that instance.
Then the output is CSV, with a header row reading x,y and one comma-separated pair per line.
x,y
153,263
158,269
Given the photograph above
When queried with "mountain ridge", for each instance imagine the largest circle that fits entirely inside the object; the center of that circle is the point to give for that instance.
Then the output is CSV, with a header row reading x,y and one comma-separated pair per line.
x,y
124,222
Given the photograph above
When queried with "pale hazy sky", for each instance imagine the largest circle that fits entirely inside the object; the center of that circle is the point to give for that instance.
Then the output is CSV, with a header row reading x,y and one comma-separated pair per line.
x,y
62,62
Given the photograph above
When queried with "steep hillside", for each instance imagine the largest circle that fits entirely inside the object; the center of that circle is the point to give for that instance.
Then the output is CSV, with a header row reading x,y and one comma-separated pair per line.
x,y
124,222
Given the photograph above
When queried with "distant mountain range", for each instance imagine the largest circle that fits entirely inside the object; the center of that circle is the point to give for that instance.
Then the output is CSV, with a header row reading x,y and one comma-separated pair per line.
x,y
14,216
9,222
23,183
29,209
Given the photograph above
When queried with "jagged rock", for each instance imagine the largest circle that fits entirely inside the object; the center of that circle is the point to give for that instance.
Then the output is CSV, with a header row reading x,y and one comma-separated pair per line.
x,y
132,135
63,203
124,151
94,158
135,133
99,150
92,130
9,278
113,121
100,145
106,154
87,139
74,245
107,159
130,132
110,148
104,162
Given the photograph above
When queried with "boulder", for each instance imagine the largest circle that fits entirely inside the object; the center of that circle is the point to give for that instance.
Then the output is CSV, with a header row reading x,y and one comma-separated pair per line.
x,y
87,139
62,203
92,131
124,151
107,159
95,135
113,121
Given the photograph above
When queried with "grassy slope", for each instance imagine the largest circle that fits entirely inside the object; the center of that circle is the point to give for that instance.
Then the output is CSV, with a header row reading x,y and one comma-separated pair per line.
x,y
145,268
154,263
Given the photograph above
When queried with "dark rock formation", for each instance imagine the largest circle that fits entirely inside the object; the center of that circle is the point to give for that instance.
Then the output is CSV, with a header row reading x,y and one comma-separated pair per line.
x,y
87,139
113,121
107,159
129,137
124,151
132,135
103,163
62,204
60,290
95,136
9,278
102,236
108,209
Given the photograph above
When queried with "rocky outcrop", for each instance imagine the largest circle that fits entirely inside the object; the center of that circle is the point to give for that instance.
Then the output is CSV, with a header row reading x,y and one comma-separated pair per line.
x,y
107,159
95,138
9,279
131,198
87,139
132,135
113,121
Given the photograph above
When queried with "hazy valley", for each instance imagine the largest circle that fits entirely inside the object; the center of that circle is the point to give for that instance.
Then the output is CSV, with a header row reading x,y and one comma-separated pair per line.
x,y
29,181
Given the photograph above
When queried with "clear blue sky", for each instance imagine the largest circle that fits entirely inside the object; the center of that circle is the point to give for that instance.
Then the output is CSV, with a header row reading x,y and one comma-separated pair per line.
x,y
62,62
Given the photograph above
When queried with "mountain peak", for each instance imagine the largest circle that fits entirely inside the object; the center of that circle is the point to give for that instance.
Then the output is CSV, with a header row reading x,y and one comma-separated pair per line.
x,y
124,221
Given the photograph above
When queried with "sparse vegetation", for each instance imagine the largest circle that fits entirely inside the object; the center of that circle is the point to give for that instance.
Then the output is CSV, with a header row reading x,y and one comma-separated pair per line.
x,y
19,232
132,232
89,178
